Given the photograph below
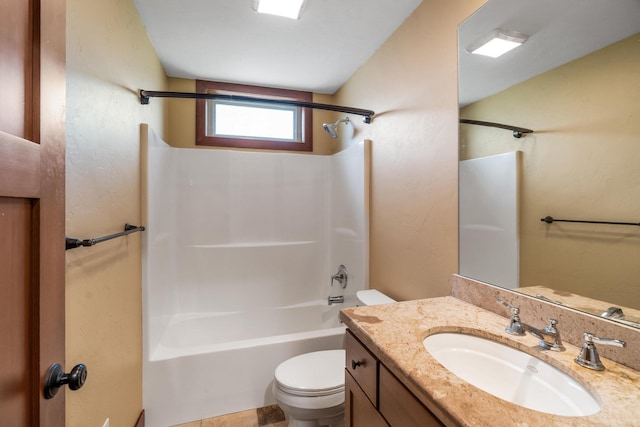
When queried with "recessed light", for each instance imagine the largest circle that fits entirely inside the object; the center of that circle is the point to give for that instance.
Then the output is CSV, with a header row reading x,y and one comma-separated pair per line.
x,y
497,43
287,8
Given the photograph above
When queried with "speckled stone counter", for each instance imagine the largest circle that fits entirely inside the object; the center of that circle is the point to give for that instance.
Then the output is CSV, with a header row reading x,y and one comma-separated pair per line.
x,y
394,333
579,302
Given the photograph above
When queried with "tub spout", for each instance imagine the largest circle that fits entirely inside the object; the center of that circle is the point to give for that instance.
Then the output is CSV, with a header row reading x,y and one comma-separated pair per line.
x,y
336,300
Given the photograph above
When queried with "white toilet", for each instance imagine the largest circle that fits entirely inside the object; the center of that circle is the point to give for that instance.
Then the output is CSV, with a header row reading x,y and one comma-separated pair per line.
x,y
309,388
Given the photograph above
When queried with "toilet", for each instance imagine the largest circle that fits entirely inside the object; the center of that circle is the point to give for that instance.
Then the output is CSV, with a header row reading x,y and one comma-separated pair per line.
x,y
309,388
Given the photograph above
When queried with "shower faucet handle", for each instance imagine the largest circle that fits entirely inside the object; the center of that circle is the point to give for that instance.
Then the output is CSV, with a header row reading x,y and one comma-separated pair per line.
x,y
341,276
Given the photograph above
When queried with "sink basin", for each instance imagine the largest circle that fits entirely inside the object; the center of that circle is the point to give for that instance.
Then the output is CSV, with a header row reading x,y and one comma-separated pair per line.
x,y
511,374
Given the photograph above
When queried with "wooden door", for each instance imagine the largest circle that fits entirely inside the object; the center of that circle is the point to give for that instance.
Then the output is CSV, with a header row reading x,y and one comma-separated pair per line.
x,y
32,159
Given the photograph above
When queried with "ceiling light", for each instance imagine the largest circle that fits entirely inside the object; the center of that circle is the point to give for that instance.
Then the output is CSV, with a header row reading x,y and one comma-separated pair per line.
x,y
497,43
287,8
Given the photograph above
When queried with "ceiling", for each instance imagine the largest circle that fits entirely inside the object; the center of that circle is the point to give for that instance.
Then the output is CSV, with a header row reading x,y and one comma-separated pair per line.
x,y
225,40
559,31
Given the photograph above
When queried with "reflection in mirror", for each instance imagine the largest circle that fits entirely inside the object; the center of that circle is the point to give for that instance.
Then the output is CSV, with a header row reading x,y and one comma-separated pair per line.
x,y
575,83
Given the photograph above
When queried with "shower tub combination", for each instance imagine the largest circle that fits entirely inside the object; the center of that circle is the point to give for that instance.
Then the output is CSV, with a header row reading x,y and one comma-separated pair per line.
x,y
237,262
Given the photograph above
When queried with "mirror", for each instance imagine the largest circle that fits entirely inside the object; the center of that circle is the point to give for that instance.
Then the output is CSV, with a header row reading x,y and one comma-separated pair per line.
x,y
574,82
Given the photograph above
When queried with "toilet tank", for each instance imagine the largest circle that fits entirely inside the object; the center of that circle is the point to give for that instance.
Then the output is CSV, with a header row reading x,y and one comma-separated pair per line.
x,y
372,297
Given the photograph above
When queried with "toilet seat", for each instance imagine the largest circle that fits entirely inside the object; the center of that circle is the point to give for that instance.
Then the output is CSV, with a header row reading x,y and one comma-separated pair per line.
x,y
319,373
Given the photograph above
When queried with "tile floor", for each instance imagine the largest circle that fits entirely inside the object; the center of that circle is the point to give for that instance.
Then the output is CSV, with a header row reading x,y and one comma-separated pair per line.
x,y
271,416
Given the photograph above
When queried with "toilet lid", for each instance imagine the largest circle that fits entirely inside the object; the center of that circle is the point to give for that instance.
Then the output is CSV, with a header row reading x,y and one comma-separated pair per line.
x,y
312,374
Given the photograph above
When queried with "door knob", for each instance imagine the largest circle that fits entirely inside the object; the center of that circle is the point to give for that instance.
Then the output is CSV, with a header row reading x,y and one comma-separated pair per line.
x,y
56,378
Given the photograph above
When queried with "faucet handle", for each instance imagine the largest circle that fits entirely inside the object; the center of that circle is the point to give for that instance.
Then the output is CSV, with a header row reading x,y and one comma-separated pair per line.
x,y
588,356
551,327
516,327
514,310
613,313
341,276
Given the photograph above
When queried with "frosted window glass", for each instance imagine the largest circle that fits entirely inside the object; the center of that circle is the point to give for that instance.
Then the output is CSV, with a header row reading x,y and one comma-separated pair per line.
x,y
254,122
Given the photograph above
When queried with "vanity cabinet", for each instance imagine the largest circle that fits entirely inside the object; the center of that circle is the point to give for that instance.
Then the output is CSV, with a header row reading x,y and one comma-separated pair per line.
x,y
359,411
374,397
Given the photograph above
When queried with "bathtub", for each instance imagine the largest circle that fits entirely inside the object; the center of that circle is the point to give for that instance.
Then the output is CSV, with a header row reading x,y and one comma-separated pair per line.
x,y
236,265
207,365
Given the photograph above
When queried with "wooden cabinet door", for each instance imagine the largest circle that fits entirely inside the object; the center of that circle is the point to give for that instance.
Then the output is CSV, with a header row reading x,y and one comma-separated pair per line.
x,y
359,412
32,160
399,406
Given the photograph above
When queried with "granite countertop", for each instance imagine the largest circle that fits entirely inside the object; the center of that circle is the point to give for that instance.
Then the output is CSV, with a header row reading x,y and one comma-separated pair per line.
x,y
394,333
579,302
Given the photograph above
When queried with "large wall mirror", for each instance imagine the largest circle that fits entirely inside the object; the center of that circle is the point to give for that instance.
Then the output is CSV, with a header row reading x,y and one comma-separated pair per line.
x,y
576,83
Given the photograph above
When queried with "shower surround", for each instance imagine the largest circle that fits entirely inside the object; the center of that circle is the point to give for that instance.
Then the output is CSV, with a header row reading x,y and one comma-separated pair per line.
x,y
237,259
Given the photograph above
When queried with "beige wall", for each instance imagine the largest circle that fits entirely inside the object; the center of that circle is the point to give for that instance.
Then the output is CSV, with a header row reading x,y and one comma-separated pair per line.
x,y
109,57
182,120
182,115
411,83
581,163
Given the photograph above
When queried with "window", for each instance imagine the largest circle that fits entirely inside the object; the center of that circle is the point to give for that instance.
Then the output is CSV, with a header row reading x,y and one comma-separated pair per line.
x,y
242,124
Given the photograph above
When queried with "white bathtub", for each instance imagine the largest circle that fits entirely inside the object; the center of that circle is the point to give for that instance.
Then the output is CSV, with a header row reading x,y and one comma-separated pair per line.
x,y
236,265
212,364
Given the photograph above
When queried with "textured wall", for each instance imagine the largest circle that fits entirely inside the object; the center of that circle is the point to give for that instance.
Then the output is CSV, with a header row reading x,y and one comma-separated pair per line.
x,y
109,57
411,82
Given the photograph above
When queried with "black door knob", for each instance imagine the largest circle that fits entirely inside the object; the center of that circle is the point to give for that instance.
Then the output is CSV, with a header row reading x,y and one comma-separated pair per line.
x,y
56,378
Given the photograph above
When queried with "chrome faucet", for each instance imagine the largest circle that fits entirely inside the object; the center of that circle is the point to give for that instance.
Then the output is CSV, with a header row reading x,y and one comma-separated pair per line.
x,y
549,336
588,356
613,313
341,276
336,300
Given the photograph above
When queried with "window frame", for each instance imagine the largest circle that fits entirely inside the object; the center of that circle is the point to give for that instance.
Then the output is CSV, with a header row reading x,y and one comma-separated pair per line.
x,y
305,142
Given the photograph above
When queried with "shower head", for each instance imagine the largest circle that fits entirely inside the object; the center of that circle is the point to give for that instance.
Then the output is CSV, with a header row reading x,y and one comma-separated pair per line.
x,y
332,129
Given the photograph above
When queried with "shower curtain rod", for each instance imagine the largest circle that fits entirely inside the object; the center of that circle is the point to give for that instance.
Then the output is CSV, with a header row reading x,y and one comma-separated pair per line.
x,y
550,219
71,243
146,94
517,131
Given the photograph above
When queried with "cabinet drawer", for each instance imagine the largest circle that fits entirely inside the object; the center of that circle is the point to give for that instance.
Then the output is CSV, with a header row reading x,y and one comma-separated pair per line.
x,y
363,366
400,407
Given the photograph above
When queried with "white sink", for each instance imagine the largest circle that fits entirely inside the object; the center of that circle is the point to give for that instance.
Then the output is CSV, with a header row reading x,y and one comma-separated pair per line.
x,y
511,374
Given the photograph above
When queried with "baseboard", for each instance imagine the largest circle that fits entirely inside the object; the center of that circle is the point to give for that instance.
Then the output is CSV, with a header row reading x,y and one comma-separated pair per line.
x,y
140,422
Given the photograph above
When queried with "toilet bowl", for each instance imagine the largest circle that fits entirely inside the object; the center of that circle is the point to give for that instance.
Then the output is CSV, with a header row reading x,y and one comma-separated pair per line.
x,y
309,388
